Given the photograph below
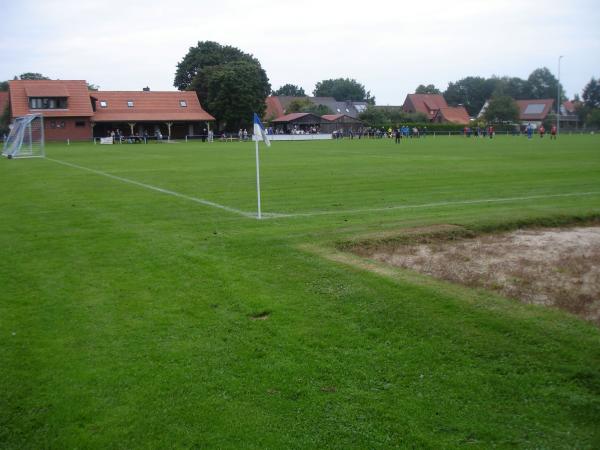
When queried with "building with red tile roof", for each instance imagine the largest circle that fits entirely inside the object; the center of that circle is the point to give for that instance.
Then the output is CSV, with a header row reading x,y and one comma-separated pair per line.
x,y
340,122
535,110
73,112
435,108
278,106
457,115
173,113
289,123
64,104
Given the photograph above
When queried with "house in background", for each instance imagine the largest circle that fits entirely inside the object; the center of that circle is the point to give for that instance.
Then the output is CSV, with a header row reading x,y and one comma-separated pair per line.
x,y
278,106
340,122
297,122
436,109
174,114
534,111
65,105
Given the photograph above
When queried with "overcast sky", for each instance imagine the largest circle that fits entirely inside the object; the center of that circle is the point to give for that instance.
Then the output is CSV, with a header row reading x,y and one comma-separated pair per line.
x,y
389,46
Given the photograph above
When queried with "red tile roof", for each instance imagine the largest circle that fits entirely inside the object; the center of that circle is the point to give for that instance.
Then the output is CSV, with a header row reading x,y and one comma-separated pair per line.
x,y
78,105
424,103
332,117
291,117
3,101
569,106
534,109
340,118
274,108
46,90
148,106
458,115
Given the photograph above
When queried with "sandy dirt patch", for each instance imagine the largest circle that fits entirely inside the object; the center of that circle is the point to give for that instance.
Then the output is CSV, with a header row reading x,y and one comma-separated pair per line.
x,y
556,267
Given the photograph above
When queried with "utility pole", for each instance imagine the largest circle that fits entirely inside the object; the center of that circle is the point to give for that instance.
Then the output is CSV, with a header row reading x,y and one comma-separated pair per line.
x,y
558,99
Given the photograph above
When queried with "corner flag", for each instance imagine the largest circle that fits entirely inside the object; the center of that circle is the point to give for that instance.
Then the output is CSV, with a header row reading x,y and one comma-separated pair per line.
x,y
259,131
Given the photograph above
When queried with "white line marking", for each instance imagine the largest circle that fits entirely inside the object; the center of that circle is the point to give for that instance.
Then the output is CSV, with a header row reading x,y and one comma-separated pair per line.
x,y
318,213
432,205
165,191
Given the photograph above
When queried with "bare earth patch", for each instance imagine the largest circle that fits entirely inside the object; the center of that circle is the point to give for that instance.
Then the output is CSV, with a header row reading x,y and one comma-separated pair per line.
x,y
555,267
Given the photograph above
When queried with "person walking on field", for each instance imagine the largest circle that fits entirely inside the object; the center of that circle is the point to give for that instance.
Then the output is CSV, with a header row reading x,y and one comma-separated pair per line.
x,y
553,132
542,131
529,131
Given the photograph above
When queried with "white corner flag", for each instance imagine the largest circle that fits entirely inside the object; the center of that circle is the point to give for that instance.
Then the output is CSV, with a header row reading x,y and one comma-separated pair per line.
x,y
259,134
259,131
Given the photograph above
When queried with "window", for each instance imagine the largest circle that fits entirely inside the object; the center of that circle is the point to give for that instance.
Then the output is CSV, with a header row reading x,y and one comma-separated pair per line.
x,y
103,104
130,103
183,103
48,102
80,123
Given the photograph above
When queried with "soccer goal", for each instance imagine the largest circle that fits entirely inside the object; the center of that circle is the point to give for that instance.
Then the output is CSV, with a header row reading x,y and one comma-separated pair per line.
x,y
26,138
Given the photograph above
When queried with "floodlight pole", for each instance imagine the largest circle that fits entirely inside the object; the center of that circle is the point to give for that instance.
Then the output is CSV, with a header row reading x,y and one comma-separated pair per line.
x,y
259,216
558,99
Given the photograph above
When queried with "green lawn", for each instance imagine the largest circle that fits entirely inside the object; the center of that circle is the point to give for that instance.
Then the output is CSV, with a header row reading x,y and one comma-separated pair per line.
x,y
125,312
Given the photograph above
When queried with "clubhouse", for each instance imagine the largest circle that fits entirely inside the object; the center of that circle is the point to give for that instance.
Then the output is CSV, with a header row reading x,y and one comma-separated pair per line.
x,y
71,111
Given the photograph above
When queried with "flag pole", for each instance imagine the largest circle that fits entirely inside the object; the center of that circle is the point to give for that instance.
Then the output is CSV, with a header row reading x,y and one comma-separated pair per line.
x,y
257,177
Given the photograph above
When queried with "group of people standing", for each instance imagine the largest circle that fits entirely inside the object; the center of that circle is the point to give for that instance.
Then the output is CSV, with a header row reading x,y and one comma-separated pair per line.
x,y
479,131
541,131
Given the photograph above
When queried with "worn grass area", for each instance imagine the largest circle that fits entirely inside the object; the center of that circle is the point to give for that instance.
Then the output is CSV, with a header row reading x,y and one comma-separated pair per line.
x,y
557,267
131,317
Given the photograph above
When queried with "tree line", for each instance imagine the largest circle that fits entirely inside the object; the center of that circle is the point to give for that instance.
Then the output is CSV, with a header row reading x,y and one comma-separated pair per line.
x,y
232,85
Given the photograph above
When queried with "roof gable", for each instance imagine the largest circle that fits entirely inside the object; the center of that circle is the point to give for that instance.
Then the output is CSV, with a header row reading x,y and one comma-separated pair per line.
x,y
454,114
78,104
424,103
534,109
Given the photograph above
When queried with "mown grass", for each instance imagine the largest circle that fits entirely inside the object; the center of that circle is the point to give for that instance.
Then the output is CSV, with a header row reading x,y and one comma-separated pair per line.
x,y
127,316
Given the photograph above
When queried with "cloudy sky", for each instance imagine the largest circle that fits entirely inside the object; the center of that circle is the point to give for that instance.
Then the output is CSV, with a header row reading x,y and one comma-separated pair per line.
x,y
389,46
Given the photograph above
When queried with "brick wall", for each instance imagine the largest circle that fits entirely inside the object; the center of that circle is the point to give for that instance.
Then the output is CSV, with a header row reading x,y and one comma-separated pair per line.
x,y
63,128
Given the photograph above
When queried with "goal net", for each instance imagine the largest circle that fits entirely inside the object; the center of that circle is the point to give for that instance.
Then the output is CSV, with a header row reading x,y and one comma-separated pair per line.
x,y
26,138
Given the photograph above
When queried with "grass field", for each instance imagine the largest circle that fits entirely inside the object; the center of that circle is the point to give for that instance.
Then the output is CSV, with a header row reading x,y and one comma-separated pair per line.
x,y
127,313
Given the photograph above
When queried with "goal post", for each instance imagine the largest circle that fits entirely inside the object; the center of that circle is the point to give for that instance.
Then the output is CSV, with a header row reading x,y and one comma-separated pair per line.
x,y
26,138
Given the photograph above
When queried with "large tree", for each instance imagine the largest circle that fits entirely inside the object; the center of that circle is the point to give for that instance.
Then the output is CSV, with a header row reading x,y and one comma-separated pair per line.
x,y
32,76
232,92
230,84
23,76
591,94
514,87
343,89
543,84
502,108
291,90
429,89
305,105
471,92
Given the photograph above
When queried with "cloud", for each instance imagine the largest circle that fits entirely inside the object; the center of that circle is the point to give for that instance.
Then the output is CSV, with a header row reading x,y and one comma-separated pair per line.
x,y
390,46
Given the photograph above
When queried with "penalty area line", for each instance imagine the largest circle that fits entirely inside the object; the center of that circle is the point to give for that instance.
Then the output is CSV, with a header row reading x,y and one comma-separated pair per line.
x,y
436,204
164,191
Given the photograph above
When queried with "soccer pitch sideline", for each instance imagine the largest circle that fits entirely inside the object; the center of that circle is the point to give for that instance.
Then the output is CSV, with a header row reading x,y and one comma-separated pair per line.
x,y
143,305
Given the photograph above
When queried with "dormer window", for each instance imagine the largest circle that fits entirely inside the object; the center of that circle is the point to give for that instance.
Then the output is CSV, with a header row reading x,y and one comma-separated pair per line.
x,y
183,103
130,103
48,102
103,104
